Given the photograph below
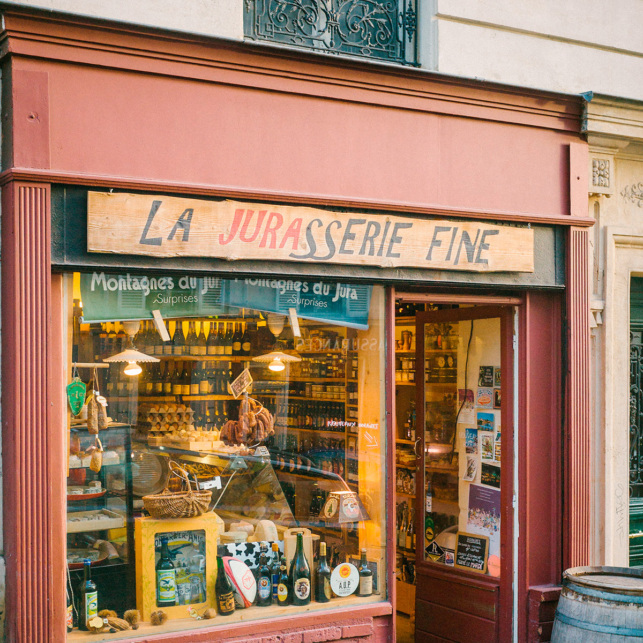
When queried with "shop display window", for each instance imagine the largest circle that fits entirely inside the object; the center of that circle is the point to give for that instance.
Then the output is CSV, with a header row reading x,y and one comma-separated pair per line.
x,y
226,454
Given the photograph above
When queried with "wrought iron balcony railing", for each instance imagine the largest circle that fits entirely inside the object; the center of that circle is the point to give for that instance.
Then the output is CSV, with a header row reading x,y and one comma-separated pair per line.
x,y
383,30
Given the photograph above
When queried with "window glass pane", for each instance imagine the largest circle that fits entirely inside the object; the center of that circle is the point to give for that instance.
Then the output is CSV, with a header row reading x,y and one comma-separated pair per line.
x,y
236,438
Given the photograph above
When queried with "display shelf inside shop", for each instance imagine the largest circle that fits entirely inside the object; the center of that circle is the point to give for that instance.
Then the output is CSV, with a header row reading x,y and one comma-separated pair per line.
x,y
248,614
207,358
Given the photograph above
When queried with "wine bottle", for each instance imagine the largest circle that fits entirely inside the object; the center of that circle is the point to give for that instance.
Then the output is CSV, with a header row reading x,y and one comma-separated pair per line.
x,y
204,384
159,378
195,379
274,571
284,593
201,343
177,380
322,584
236,340
165,578
185,380
221,340
170,374
211,344
167,347
300,575
178,341
88,597
246,342
229,339
264,583
365,587
191,347
223,590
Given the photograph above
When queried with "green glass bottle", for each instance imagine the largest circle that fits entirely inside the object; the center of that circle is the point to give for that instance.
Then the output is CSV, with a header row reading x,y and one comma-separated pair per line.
x,y
284,594
322,586
264,583
300,575
223,590
165,578
88,597
365,587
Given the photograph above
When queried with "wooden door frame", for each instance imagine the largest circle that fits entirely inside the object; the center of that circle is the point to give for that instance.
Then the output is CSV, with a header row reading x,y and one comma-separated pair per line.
x,y
503,308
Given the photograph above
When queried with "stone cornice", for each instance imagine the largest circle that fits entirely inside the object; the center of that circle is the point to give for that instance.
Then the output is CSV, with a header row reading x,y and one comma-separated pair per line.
x,y
610,121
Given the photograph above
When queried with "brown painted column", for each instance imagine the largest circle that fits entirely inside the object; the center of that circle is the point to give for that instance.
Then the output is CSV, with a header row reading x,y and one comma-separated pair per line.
x,y
32,447
578,423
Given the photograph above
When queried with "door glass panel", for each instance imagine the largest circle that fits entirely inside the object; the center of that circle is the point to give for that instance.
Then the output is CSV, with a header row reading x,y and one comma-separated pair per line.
x,y
462,444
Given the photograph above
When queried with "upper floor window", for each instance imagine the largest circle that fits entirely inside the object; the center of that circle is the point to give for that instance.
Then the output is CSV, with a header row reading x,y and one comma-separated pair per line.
x,y
384,30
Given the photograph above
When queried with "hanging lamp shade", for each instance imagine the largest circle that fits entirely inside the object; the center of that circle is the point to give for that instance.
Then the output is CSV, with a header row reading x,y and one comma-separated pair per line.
x,y
276,360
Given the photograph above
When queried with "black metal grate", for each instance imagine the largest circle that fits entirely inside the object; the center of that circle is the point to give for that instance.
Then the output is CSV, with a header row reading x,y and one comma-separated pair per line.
x,y
383,30
636,412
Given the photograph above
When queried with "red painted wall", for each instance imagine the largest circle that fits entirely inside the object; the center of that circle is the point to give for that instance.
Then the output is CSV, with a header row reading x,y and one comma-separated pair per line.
x,y
99,104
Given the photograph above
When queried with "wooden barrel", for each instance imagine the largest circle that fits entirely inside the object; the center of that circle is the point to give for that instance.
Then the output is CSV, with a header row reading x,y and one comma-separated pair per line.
x,y
600,605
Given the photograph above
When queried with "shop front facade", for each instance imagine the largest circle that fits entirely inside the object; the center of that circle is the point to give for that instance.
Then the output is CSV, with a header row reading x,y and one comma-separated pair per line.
x,y
275,269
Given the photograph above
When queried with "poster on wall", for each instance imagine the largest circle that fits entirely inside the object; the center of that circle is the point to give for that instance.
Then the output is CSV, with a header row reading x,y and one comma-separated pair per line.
x,y
498,446
486,421
466,405
490,475
471,440
485,376
486,446
483,517
472,469
484,399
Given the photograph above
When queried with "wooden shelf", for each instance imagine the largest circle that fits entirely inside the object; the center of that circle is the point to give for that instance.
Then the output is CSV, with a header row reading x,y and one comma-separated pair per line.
x,y
401,441
313,380
296,428
299,397
253,613
406,495
207,358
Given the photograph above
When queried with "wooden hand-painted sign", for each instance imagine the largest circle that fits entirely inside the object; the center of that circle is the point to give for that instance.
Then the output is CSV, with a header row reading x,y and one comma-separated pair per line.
x,y
163,226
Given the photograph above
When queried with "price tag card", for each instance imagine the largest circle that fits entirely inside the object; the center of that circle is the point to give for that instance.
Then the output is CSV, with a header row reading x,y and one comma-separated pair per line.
x,y
215,483
241,383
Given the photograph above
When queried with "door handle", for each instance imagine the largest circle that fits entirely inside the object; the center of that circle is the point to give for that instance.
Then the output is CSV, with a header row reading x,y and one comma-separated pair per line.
x,y
415,447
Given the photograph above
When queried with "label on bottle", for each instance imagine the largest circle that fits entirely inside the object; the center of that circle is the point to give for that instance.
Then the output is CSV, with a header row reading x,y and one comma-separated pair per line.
x,y
302,588
177,350
212,350
70,618
282,592
204,387
194,388
245,347
176,389
166,585
194,350
365,585
326,585
226,603
264,587
158,387
167,388
220,350
228,349
167,349
185,389
91,605
236,347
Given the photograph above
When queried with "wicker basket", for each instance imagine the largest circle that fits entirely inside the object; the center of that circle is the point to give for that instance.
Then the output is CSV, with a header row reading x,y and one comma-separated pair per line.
x,y
186,503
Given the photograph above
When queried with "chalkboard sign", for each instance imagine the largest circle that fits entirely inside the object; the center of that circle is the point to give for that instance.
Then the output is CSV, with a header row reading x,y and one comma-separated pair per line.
x,y
471,552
